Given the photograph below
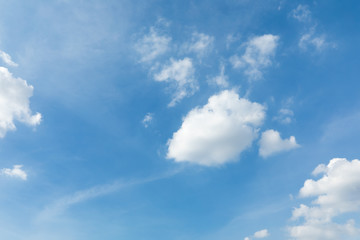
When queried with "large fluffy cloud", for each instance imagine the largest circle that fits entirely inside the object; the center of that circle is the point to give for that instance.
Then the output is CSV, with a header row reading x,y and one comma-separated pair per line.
x,y
272,143
14,102
258,55
336,192
180,74
217,132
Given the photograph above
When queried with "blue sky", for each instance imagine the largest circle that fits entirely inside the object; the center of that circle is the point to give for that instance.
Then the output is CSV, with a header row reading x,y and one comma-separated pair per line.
x,y
206,120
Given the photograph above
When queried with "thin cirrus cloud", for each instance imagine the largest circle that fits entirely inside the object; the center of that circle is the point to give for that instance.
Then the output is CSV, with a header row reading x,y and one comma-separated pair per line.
x,y
60,205
14,102
218,132
180,75
15,172
272,143
336,193
258,55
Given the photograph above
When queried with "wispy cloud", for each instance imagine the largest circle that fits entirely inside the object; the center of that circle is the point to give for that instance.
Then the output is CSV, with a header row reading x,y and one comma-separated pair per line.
x,y
284,116
313,40
147,119
220,80
7,59
200,44
63,203
15,172
310,39
152,45
230,39
258,54
180,75
301,13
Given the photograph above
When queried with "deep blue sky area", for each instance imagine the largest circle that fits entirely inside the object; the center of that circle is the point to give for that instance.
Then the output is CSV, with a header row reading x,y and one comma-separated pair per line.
x,y
184,120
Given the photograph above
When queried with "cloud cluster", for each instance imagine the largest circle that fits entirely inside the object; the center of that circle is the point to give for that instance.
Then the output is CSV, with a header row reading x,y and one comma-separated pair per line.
x,y
310,39
272,143
15,172
217,132
336,192
14,102
258,55
179,73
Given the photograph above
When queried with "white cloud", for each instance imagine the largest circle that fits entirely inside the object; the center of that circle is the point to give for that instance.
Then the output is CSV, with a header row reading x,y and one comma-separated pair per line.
x,y
221,80
7,59
337,188
200,44
217,132
147,119
180,74
336,192
152,45
258,55
14,102
301,13
324,231
259,234
272,143
16,172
